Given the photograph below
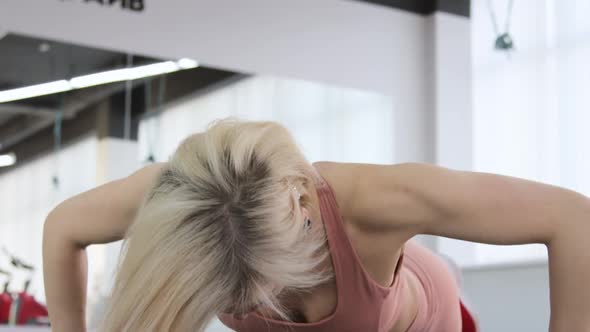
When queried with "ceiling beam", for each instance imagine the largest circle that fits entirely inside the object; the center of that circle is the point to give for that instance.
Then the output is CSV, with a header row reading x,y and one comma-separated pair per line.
x,y
16,129
33,136
42,142
24,109
427,7
19,129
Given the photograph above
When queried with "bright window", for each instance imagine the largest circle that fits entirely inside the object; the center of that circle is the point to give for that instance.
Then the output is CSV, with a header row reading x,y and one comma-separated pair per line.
x,y
532,109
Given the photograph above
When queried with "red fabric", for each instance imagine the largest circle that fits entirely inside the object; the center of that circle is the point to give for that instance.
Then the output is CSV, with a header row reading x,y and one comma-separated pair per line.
x,y
467,319
5,303
30,309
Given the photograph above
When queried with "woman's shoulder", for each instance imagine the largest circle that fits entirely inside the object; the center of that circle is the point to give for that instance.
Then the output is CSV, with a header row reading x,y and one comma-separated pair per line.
x,y
360,197
346,181
341,178
375,245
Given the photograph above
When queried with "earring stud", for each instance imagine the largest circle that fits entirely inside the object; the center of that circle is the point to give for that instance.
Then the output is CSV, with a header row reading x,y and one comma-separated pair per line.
x,y
297,192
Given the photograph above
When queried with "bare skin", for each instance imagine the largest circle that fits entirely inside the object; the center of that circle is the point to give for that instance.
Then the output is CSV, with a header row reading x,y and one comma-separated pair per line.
x,y
384,205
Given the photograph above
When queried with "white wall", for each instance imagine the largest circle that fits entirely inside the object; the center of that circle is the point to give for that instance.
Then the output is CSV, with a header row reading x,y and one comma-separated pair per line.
x,y
509,298
343,42
452,91
328,122
530,120
27,195
531,108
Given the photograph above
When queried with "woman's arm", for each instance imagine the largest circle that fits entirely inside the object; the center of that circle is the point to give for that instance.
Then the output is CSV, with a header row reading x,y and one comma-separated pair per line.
x,y
99,215
487,208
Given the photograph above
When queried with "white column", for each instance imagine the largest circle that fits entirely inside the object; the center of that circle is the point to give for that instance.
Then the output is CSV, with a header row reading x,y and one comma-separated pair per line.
x,y
451,93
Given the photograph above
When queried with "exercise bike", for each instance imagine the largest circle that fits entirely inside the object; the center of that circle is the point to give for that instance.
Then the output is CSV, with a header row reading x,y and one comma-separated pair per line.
x,y
23,308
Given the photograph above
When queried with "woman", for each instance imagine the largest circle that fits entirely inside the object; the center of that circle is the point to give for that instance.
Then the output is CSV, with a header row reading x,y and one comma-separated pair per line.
x,y
239,225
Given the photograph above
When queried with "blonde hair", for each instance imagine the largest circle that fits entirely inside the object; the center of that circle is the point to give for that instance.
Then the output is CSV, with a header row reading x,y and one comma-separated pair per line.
x,y
221,226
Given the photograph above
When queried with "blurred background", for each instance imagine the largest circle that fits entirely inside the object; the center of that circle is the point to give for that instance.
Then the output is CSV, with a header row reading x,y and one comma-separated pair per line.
x,y
90,91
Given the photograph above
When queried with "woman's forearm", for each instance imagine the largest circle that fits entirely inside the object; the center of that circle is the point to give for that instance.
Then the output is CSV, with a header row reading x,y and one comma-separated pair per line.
x,y
65,277
569,270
